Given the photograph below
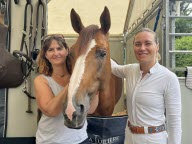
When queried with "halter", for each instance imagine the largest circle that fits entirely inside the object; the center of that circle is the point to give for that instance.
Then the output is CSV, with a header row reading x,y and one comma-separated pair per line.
x,y
35,50
25,58
23,41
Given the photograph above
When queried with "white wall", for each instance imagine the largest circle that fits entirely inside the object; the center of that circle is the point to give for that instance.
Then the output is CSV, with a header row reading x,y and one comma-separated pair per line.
x,y
89,11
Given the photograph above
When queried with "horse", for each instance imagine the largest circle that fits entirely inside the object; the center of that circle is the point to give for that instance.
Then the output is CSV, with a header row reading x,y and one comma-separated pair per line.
x,y
89,63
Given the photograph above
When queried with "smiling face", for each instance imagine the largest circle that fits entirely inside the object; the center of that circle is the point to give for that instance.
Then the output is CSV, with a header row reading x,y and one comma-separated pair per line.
x,y
146,48
56,54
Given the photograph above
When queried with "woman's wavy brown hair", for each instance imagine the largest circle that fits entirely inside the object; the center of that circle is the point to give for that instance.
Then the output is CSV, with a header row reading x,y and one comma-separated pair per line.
x,y
44,65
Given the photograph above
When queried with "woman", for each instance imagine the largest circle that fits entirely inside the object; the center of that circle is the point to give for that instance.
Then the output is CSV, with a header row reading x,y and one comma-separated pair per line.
x,y
153,95
50,90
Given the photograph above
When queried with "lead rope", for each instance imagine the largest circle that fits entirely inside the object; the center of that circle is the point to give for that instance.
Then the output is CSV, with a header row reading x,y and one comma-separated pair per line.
x,y
157,19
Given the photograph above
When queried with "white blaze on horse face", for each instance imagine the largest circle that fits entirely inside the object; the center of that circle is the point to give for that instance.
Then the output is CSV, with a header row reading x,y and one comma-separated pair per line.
x,y
75,79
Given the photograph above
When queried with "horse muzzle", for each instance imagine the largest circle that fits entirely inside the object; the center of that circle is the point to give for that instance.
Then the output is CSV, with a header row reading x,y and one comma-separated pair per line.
x,y
77,121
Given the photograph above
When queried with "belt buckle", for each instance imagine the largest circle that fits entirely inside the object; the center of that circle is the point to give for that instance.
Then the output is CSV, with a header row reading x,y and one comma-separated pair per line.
x,y
159,128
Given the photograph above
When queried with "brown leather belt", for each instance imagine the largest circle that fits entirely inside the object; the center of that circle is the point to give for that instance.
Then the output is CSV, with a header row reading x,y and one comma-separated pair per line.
x,y
145,130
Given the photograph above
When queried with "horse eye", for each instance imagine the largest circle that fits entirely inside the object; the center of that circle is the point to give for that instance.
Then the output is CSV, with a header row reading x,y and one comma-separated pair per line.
x,y
101,53
90,93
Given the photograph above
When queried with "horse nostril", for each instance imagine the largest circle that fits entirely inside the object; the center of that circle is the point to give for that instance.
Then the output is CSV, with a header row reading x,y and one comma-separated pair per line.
x,y
81,108
75,114
79,111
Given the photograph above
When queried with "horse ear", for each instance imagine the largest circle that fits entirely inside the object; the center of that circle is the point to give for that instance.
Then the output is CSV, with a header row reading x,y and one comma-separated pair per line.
x,y
105,20
76,21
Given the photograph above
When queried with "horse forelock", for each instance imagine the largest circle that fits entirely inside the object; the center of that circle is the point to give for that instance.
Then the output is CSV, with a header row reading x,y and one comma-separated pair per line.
x,y
85,37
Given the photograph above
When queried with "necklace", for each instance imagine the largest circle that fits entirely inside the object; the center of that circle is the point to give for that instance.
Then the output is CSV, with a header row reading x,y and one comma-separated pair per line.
x,y
59,75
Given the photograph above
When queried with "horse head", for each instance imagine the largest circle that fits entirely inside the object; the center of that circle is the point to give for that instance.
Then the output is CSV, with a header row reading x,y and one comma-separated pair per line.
x,y
91,71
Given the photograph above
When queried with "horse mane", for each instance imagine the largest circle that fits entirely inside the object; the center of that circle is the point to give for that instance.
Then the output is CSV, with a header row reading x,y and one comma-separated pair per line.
x,y
85,38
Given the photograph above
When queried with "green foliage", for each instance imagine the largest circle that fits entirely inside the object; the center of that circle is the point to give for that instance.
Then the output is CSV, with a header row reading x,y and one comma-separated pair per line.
x,y
184,43
183,60
183,25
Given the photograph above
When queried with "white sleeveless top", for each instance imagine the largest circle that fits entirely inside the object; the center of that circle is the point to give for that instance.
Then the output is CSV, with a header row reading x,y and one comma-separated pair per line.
x,y
51,130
